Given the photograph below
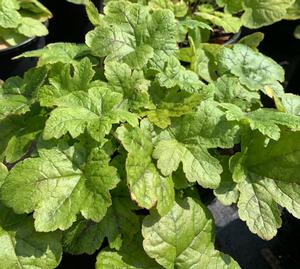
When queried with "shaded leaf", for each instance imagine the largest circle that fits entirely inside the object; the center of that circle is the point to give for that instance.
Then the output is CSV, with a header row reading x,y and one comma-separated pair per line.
x,y
267,176
23,247
183,238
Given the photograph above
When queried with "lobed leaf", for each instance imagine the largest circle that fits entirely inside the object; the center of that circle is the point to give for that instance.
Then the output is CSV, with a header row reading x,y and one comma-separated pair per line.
x,y
264,12
190,138
130,34
86,236
267,121
253,69
175,75
147,186
56,187
57,53
95,111
267,176
183,238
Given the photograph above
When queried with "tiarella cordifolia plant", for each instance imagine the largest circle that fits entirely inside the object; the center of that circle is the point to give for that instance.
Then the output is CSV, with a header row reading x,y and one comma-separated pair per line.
x,y
115,138
22,19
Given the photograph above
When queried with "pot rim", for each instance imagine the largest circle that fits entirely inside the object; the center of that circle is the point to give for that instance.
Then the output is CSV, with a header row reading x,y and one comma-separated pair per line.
x,y
8,49
24,43
234,38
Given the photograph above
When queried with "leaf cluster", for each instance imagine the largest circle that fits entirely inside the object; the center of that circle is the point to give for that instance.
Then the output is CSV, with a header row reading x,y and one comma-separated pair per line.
x,y
229,14
106,146
21,20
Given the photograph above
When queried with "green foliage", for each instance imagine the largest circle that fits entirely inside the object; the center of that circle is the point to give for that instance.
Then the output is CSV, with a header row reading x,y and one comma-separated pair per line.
x,y
23,247
20,20
229,14
133,35
183,238
264,12
263,183
258,13
254,70
229,23
105,145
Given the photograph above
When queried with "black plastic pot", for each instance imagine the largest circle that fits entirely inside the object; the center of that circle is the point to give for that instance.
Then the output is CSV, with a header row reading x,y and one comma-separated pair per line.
x,y
10,67
235,38
225,38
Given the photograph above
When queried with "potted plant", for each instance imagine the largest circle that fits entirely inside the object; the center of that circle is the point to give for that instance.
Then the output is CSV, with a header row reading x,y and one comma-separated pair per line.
x,y
119,136
21,25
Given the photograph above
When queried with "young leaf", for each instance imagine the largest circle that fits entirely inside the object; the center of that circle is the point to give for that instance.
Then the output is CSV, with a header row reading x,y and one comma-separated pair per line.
x,y
62,81
78,2
12,104
227,192
230,23
252,40
93,13
31,27
3,173
227,89
231,6
23,247
291,103
183,238
174,74
203,61
293,12
11,37
56,186
297,32
17,134
9,18
10,4
34,78
131,83
35,8
179,9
